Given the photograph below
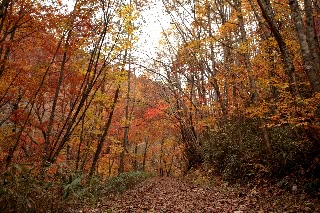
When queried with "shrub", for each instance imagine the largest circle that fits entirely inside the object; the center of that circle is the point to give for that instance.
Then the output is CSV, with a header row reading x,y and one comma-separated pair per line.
x,y
125,181
236,151
20,191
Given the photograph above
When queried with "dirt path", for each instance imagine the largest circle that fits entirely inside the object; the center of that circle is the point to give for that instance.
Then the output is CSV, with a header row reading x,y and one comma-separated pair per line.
x,y
175,195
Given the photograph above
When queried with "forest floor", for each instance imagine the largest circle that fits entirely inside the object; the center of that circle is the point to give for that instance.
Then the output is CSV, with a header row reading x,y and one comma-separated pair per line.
x,y
168,194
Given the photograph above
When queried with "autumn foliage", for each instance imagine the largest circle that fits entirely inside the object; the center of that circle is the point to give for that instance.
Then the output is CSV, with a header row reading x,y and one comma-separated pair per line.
x,y
234,89
243,86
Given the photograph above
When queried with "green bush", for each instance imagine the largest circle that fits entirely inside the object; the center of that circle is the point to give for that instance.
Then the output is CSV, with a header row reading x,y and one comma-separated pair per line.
x,y
23,191
125,181
237,152
20,191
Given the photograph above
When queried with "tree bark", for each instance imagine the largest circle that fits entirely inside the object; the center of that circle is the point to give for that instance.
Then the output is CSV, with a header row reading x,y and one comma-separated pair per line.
x,y
127,122
105,133
145,154
307,45
287,61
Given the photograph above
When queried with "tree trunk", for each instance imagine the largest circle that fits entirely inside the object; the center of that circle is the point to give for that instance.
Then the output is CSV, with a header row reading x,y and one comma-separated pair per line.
x,y
310,62
80,143
244,39
105,133
312,37
135,162
145,154
127,122
161,159
55,102
287,60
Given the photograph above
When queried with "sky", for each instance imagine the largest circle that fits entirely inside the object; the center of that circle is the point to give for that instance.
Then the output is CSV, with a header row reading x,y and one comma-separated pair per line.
x,y
153,21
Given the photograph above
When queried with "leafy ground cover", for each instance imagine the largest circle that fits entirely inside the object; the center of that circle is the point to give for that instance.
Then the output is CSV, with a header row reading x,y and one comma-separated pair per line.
x,y
140,192
22,192
168,194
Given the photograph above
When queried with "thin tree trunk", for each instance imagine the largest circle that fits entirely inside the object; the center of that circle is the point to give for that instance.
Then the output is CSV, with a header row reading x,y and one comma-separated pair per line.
x,y
287,60
55,102
80,143
135,162
161,159
145,154
127,122
6,54
252,80
110,166
243,37
105,133
171,161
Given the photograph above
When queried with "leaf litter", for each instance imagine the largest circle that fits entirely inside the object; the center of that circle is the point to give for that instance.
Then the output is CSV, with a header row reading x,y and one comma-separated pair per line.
x,y
169,194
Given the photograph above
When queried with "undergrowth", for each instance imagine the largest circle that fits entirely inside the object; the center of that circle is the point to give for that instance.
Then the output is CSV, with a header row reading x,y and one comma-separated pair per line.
x,y
125,181
237,153
22,191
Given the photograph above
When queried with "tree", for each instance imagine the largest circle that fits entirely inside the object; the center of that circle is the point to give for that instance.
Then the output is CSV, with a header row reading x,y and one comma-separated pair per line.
x,y
308,42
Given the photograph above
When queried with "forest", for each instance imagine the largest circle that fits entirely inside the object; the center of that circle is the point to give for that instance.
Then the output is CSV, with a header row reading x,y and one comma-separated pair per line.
x,y
225,117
